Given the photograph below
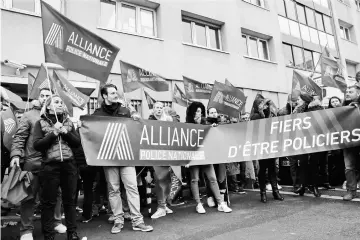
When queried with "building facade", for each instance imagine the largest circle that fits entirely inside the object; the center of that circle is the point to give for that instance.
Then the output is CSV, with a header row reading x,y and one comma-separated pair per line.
x,y
255,44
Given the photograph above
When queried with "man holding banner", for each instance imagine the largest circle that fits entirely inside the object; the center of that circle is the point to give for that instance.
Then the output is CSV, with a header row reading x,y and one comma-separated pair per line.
x,y
351,155
112,108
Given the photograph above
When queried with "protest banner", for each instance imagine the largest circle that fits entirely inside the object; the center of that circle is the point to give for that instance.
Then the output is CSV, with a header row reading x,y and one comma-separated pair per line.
x,y
111,141
134,77
227,99
75,48
196,90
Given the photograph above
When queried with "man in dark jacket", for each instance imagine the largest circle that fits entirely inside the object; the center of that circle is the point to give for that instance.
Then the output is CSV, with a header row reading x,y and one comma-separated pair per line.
x,y
265,108
22,151
351,155
112,106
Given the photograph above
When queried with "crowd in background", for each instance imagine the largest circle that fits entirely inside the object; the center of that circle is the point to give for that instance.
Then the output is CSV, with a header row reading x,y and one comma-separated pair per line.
x,y
47,143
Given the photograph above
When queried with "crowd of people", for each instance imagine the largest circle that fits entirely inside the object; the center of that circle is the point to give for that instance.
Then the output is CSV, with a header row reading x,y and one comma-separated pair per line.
x,y
47,143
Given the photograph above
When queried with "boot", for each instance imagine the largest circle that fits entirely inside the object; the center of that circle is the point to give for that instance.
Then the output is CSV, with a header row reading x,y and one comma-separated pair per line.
x,y
328,186
300,190
72,236
316,191
277,195
234,184
263,197
351,194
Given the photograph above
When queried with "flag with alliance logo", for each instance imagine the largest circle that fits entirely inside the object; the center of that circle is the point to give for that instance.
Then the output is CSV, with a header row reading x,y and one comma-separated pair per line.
x,y
302,83
196,90
134,77
9,123
75,48
149,100
77,98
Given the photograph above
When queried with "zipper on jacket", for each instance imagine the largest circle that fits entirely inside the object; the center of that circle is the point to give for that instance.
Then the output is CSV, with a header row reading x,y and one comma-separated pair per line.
x,y
61,155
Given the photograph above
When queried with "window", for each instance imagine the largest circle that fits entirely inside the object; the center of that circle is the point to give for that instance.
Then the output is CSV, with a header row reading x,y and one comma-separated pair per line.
x,y
290,9
351,69
281,8
316,57
309,62
345,33
305,34
289,61
30,6
284,25
256,47
310,17
314,37
127,17
294,29
244,43
92,105
301,13
201,34
328,25
357,3
323,39
331,41
319,21
298,57
324,3
260,3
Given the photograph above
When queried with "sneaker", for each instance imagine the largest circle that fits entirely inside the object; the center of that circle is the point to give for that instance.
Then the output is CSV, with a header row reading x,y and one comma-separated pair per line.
x,y
344,186
60,228
18,213
350,195
79,210
85,220
177,202
241,191
200,209
27,236
279,187
102,209
116,228
268,187
142,227
160,212
72,236
127,216
111,219
223,207
63,216
168,210
211,202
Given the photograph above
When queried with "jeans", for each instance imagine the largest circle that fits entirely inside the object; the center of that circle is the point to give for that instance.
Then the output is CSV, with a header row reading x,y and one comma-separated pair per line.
x,y
351,159
128,177
28,205
210,174
220,172
162,185
270,166
52,176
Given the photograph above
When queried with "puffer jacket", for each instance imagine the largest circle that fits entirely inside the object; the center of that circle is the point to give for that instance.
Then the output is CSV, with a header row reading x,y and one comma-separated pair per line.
x,y
258,112
49,144
23,141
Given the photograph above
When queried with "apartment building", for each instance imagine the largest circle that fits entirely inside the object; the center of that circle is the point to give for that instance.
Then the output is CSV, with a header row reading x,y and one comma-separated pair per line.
x,y
255,44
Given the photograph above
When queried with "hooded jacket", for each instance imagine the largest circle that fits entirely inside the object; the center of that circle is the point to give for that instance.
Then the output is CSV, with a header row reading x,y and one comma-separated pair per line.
x,y
23,141
258,110
51,145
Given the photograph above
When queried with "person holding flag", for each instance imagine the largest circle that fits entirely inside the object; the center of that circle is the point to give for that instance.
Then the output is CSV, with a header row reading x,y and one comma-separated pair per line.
x,y
55,137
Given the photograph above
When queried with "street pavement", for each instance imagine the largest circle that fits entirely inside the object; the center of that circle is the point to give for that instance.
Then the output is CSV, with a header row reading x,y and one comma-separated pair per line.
x,y
295,218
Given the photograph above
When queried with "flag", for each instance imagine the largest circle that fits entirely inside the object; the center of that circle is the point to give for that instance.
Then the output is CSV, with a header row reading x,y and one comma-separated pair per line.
x,y
179,97
31,81
149,100
329,74
227,99
77,98
58,90
41,81
228,83
302,83
9,123
329,55
196,90
134,77
75,48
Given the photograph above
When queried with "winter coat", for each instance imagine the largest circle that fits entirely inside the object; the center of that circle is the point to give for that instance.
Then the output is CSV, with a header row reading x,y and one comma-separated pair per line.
x,y
79,154
115,110
285,110
314,106
5,154
23,141
258,111
49,144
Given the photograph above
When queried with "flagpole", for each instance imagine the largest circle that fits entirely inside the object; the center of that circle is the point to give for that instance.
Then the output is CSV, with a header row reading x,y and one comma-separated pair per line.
x,y
318,61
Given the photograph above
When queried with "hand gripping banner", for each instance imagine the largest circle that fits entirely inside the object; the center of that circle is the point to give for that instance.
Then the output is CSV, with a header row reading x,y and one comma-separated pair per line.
x,y
110,141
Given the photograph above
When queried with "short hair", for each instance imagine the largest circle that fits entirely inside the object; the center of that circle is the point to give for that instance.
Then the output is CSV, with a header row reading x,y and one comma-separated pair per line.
x,y
104,89
46,89
158,102
211,108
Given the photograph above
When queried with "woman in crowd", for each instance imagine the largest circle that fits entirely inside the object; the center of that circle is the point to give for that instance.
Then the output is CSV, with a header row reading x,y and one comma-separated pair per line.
x,y
195,114
55,136
265,108
334,102
309,163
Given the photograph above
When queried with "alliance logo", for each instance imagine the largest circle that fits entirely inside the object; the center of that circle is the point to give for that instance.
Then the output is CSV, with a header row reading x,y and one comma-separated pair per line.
x,y
55,36
116,143
9,125
131,76
219,97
